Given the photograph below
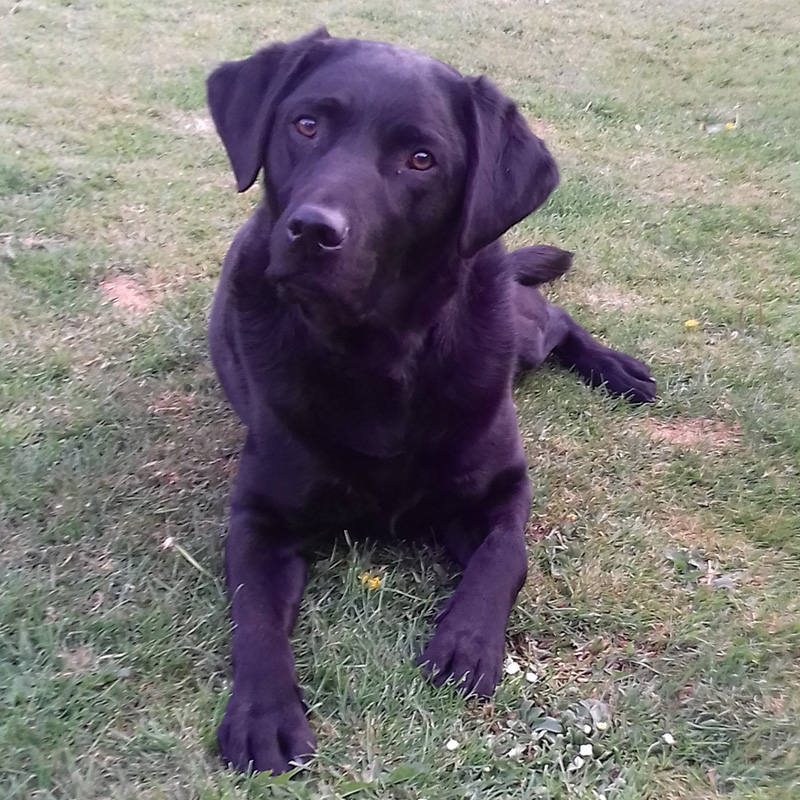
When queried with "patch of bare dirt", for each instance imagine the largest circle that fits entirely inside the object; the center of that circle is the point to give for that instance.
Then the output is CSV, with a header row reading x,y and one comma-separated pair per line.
x,y
47,243
127,295
542,128
79,661
692,432
685,530
608,297
667,179
10,243
663,177
196,123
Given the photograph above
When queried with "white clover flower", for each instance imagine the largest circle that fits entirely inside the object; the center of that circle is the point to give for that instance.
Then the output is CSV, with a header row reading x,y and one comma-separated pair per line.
x,y
511,667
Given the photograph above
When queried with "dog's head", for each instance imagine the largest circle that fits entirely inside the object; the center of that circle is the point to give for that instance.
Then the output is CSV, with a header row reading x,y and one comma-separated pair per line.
x,y
377,161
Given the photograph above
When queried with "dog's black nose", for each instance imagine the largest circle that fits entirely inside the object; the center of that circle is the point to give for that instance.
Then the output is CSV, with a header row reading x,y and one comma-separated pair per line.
x,y
314,225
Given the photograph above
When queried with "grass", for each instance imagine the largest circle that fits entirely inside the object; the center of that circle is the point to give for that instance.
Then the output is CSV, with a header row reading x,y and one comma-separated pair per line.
x,y
664,543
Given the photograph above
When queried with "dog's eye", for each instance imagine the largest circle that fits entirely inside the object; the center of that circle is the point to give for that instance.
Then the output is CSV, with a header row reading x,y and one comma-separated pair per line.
x,y
307,126
421,160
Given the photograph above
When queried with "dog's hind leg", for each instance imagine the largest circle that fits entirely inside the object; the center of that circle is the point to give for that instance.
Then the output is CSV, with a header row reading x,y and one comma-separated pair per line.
x,y
545,330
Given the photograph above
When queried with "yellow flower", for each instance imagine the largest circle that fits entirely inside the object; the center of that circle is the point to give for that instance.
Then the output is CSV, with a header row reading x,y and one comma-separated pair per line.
x,y
370,581
692,323
730,126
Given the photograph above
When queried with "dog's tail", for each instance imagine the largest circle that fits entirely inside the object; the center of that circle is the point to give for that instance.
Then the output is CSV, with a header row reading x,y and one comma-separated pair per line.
x,y
538,264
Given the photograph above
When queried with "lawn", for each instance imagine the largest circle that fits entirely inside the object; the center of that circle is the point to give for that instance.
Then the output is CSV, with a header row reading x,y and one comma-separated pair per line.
x,y
658,635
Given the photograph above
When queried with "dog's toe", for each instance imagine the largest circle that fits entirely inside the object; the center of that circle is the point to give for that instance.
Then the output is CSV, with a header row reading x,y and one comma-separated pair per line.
x,y
635,383
471,657
264,736
621,374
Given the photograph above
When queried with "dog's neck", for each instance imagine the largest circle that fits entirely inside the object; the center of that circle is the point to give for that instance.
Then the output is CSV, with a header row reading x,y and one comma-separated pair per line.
x,y
405,311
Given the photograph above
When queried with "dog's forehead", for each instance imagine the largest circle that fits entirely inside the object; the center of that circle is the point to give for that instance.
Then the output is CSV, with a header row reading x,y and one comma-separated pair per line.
x,y
381,74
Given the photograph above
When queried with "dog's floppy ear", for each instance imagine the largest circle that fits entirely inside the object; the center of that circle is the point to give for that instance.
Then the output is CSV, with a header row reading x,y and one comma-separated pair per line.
x,y
241,96
511,172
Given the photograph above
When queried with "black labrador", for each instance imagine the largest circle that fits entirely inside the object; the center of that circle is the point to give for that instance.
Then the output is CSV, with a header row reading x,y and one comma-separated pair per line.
x,y
366,329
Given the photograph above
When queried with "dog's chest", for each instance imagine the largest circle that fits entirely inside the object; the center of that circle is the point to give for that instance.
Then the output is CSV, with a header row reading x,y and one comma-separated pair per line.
x,y
354,410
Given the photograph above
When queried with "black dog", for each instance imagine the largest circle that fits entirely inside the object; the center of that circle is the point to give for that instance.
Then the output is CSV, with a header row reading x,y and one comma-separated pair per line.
x,y
366,329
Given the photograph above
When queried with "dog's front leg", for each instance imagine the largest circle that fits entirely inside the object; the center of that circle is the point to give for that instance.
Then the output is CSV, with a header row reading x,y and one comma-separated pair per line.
x,y
489,542
265,725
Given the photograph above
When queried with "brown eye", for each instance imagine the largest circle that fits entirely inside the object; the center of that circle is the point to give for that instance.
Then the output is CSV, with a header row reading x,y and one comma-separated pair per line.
x,y
307,126
421,160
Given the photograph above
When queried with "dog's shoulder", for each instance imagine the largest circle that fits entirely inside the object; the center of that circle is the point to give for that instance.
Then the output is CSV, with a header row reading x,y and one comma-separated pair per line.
x,y
473,343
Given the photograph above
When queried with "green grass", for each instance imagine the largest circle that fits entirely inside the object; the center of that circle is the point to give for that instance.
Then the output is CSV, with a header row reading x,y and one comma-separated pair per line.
x,y
114,666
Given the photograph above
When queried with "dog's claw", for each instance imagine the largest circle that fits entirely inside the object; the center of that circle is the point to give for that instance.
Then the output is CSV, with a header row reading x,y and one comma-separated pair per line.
x,y
471,656
265,736
619,373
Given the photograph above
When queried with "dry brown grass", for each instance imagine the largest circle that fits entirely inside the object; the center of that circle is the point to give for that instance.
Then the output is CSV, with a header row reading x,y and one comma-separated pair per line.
x,y
690,433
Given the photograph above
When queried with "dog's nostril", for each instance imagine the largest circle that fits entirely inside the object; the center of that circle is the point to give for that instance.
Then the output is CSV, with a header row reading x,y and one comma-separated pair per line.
x,y
313,225
294,229
329,237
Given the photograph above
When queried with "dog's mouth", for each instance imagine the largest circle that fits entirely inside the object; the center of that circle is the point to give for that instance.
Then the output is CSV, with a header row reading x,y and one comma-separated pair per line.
x,y
316,303
297,287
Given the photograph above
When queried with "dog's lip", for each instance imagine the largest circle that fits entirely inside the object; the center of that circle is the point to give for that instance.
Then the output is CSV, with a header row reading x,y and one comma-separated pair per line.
x,y
278,273
312,299
295,286
284,276
330,248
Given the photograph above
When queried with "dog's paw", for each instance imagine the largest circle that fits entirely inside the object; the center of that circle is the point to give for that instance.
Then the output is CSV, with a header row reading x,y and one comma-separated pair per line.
x,y
621,375
467,652
263,734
